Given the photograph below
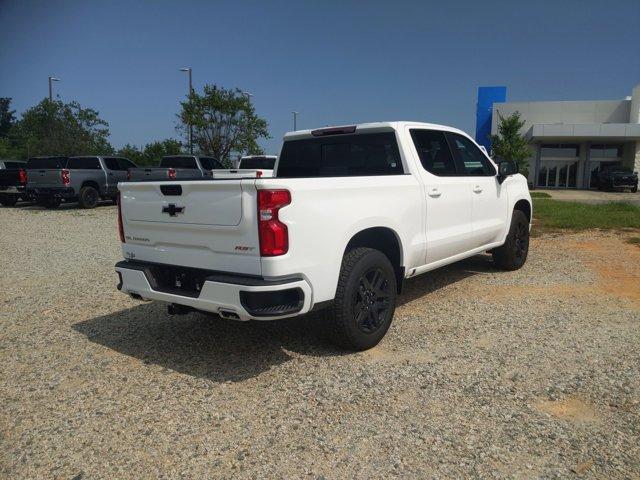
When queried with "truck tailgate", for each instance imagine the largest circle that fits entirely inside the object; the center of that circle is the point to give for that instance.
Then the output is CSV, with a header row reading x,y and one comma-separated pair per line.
x,y
199,223
44,178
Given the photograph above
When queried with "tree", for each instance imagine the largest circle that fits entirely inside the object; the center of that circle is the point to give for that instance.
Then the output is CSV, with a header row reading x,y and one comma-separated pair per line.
x,y
509,144
152,152
7,116
58,128
224,121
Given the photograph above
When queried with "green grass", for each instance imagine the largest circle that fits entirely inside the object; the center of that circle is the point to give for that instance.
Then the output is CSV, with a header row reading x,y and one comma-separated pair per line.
x,y
556,215
539,195
634,241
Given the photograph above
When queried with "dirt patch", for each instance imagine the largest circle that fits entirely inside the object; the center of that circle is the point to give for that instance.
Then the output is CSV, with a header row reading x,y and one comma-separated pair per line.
x,y
571,409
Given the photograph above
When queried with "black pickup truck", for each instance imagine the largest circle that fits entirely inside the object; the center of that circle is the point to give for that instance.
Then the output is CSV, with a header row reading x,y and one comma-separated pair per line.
x,y
617,178
13,180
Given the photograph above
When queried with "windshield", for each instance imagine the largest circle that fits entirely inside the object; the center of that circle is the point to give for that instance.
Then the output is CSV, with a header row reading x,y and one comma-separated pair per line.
x,y
178,162
44,163
265,163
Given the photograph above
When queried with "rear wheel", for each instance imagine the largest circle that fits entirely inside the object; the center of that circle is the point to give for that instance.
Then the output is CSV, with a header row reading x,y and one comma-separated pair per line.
x,y
634,189
88,197
513,254
8,200
365,299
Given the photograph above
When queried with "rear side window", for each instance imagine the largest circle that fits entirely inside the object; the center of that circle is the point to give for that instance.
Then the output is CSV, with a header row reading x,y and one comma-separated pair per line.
x,y
46,163
471,161
434,152
365,154
178,162
265,163
83,163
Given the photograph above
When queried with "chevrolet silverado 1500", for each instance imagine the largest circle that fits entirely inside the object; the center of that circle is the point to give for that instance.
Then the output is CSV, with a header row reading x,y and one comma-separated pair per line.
x,y
350,213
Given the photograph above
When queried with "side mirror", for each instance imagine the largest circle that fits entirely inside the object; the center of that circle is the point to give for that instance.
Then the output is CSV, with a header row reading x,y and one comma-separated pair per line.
x,y
505,169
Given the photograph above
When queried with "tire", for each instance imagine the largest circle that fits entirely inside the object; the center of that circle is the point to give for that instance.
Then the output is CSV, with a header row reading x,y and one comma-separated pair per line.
x,y
365,300
8,200
513,254
88,197
634,189
49,202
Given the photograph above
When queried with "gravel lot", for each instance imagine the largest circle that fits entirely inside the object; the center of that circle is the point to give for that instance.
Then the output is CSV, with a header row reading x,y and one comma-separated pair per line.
x,y
533,373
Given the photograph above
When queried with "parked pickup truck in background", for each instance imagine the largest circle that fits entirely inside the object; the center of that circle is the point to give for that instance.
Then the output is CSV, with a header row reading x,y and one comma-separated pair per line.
x,y
350,213
617,178
86,179
13,179
177,167
249,166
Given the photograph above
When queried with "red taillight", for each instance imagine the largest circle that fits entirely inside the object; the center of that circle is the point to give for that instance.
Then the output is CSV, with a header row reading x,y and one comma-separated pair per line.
x,y
172,173
273,234
258,173
22,177
120,226
64,175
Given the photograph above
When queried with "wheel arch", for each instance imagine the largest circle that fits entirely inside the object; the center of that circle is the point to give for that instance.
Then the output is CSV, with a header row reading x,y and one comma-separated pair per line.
x,y
385,240
91,183
524,206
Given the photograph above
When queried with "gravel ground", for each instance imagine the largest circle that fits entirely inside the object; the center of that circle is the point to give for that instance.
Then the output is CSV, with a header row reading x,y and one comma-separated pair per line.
x,y
528,374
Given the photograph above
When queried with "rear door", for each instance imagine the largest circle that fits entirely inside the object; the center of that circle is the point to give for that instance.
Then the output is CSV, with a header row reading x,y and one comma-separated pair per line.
x,y
489,199
201,224
448,197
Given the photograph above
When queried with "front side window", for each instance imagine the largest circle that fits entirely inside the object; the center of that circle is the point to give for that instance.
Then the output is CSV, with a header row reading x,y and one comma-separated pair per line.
x,y
83,163
434,152
126,164
470,159
363,154
112,163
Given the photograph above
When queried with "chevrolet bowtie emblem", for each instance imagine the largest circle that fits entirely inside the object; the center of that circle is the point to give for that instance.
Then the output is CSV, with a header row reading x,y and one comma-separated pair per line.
x,y
172,210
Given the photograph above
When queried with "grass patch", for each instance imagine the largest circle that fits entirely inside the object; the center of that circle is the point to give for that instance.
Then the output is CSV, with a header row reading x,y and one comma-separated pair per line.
x,y
539,195
557,215
634,240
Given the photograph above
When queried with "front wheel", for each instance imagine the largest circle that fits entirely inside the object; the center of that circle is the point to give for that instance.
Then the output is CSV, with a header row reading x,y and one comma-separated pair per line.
x,y
634,189
513,253
365,299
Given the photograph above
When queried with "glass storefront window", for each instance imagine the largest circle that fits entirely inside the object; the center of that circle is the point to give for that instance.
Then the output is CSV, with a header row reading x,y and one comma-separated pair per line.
x,y
605,151
559,150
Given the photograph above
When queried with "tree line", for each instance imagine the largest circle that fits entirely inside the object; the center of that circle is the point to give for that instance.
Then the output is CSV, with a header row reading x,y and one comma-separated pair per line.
x,y
224,124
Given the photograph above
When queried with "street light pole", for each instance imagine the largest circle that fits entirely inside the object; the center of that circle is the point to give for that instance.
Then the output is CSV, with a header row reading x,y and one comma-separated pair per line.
x,y
51,80
188,70
295,121
248,95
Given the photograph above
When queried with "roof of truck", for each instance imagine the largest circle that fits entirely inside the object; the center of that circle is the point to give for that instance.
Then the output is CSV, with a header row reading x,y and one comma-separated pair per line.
x,y
373,126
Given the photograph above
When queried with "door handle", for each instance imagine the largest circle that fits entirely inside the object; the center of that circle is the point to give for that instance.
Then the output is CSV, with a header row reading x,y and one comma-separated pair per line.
x,y
435,193
477,189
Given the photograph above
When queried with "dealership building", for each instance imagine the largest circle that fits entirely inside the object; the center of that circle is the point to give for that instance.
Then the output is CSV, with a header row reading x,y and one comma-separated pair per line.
x,y
570,141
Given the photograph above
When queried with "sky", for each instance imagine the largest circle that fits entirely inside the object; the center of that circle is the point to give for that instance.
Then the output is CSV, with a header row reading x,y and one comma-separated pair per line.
x,y
335,62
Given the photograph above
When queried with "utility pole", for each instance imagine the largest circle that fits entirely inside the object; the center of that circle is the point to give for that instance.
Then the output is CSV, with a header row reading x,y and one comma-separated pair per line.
x,y
295,121
51,80
188,70
248,95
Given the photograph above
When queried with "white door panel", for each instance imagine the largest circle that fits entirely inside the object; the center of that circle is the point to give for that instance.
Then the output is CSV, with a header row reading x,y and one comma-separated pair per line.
x,y
489,210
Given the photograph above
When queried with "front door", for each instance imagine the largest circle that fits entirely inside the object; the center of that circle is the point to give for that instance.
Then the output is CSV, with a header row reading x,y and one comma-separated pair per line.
x,y
489,197
448,197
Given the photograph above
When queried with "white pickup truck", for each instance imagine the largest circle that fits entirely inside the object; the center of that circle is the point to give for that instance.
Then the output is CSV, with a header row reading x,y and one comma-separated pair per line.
x,y
349,214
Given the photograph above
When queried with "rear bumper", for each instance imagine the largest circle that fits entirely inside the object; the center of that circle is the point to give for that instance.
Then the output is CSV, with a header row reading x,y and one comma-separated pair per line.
x,y
13,190
58,192
231,296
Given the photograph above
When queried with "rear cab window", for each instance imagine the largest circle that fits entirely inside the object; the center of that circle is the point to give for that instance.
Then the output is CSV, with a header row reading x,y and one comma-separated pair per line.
x,y
210,163
179,162
14,165
46,163
351,155
84,163
253,163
